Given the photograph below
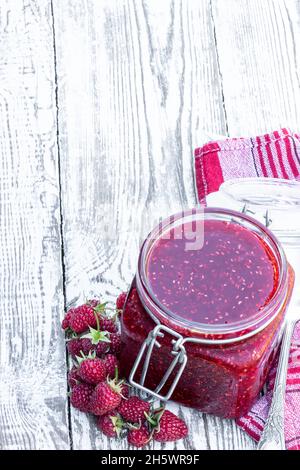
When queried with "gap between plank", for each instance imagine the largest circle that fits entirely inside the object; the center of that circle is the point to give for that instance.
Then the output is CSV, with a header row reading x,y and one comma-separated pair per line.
x,y
61,224
219,65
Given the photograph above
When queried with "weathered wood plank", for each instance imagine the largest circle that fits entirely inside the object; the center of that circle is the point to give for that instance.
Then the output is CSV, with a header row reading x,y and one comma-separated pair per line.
x,y
259,56
138,89
33,405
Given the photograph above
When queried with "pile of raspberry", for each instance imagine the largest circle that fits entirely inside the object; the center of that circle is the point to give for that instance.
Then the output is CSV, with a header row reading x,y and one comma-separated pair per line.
x,y
93,341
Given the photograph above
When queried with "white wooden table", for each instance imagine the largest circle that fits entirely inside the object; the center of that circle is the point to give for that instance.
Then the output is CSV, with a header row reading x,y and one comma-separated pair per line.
x,y
101,105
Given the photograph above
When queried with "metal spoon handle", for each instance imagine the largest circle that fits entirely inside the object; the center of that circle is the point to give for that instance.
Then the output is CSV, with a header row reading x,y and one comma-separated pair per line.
x,y
273,434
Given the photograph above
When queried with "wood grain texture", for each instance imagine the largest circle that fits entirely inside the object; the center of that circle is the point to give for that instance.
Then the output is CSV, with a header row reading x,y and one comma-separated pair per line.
x,y
140,84
259,55
139,88
33,401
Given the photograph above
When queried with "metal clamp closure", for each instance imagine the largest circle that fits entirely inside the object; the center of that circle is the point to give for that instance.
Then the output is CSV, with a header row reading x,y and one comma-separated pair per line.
x,y
180,358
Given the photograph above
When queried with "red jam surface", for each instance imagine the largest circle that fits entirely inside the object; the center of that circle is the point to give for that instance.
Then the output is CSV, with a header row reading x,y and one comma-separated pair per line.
x,y
229,280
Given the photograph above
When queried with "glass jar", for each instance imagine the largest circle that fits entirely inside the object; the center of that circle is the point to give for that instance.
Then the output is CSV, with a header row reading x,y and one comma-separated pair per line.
x,y
204,315
272,201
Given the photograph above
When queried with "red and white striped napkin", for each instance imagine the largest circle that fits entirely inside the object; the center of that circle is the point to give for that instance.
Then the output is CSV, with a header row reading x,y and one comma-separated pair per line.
x,y
275,155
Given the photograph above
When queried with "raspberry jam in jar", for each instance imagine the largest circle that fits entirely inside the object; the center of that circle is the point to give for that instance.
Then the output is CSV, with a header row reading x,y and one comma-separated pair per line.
x,y
218,283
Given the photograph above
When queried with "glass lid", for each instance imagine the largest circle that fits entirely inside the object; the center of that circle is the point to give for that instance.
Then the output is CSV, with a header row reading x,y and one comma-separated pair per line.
x,y
274,202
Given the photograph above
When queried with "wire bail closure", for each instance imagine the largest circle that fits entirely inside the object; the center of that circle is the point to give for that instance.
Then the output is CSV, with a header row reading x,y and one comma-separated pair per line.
x,y
180,357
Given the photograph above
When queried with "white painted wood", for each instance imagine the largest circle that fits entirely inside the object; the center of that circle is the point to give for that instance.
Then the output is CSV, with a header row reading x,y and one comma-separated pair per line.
x,y
138,88
140,84
259,55
33,411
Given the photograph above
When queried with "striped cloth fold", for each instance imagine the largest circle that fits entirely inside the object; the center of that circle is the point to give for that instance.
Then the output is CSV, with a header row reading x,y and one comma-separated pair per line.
x,y
253,422
275,155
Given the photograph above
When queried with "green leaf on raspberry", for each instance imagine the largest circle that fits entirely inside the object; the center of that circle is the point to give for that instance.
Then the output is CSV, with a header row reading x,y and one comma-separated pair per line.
x,y
116,384
100,308
134,426
71,336
117,424
154,418
96,336
91,355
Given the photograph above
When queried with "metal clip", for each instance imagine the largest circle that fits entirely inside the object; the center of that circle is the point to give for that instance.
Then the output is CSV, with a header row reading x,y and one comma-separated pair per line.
x,y
246,210
180,357
268,220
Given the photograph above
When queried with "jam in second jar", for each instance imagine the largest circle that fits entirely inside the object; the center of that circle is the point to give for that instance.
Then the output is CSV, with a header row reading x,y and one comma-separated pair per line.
x,y
230,295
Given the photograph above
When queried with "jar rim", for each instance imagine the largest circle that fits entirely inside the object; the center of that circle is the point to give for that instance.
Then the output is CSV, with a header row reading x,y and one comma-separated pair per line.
x,y
268,192
223,332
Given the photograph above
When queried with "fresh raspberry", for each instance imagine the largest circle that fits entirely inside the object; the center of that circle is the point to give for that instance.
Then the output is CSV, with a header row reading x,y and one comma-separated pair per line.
x,y
111,363
97,341
115,343
170,428
75,347
121,300
110,424
101,348
107,324
133,409
106,397
66,321
92,371
138,437
83,317
93,303
81,395
73,377
125,390
86,346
